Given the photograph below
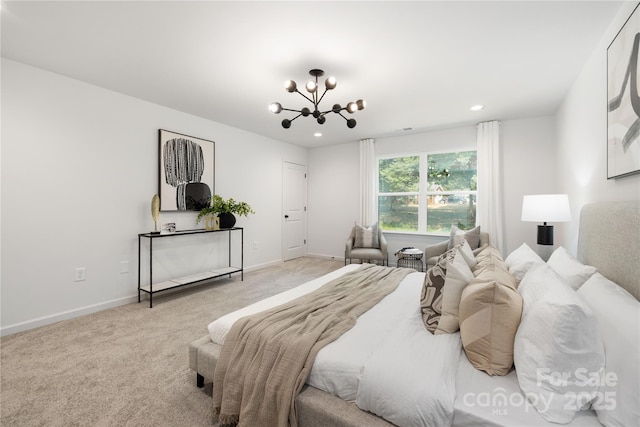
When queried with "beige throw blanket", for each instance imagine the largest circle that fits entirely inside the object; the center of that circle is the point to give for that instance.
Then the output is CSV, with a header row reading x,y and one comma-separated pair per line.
x,y
266,357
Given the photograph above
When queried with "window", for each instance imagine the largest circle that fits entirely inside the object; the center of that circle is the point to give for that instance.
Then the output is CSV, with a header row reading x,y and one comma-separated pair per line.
x,y
426,193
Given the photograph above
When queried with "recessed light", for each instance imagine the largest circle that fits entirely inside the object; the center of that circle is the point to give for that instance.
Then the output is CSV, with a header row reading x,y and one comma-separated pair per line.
x,y
477,107
317,134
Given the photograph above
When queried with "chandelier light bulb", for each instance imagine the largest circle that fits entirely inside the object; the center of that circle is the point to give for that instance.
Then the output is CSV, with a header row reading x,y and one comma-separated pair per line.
x,y
352,107
330,83
290,86
311,86
275,107
361,103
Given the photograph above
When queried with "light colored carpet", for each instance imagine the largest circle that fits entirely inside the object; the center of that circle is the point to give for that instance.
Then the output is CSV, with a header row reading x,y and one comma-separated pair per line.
x,y
128,366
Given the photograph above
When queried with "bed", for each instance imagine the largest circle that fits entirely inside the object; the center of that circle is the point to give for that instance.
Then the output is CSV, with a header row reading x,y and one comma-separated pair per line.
x,y
329,398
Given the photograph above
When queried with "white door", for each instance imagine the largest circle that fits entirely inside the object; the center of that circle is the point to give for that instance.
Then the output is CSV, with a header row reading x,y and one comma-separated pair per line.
x,y
294,243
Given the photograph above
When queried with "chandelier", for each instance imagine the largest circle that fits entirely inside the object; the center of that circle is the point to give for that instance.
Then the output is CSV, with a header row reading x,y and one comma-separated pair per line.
x,y
312,87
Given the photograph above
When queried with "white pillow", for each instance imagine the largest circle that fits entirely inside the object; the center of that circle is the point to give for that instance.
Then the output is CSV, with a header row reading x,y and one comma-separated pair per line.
x,y
467,254
557,345
521,260
618,314
457,278
570,269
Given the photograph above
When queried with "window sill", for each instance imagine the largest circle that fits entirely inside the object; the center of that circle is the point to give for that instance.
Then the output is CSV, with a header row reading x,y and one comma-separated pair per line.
x,y
414,233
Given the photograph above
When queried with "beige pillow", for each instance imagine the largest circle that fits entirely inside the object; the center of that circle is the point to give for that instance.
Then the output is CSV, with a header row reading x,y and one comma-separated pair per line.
x,y
488,257
431,296
489,315
457,236
457,278
366,237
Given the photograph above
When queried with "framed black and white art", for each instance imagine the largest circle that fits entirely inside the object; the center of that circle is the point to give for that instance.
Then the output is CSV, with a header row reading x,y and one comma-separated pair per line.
x,y
623,100
186,172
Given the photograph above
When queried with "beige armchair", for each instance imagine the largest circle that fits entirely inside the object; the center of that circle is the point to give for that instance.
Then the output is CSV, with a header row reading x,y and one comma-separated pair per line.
x,y
366,254
432,252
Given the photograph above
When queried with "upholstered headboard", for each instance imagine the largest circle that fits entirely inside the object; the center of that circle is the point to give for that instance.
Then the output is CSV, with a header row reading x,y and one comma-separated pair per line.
x,y
609,239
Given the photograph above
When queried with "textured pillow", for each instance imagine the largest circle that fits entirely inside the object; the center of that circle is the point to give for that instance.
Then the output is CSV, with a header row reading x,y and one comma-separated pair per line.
x,y
521,260
570,269
457,236
366,237
457,278
558,351
431,297
489,315
618,314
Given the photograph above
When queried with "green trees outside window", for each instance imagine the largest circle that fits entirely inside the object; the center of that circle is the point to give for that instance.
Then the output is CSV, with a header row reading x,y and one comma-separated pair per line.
x,y
427,192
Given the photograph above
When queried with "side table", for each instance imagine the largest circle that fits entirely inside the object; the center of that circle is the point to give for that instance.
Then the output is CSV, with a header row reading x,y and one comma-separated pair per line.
x,y
410,258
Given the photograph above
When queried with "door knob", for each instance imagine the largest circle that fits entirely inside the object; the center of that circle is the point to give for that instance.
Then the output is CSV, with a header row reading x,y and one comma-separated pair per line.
x,y
286,216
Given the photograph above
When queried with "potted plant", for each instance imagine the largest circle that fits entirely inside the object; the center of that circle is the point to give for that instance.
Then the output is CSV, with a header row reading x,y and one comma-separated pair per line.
x,y
225,210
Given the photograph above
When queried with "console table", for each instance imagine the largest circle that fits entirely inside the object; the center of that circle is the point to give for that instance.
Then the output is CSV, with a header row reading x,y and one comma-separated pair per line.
x,y
153,288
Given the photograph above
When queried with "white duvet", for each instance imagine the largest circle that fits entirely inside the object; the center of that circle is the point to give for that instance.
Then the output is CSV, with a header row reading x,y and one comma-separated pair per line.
x,y
388,363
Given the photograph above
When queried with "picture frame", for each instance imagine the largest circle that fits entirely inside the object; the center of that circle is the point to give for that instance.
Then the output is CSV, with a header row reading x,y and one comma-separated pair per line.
x,y
623,100
168,228
186,171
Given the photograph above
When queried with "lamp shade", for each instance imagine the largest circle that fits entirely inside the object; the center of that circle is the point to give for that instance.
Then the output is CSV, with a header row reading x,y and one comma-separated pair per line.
x,y
546,208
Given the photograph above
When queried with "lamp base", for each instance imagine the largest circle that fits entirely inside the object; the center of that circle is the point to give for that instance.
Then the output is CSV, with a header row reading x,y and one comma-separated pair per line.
x,y
545,234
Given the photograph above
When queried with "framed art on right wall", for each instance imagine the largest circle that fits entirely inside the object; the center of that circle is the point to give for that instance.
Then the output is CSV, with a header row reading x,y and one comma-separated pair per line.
x,y
623,100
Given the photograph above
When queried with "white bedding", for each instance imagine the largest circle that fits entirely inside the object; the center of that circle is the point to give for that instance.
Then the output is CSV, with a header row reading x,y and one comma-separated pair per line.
x,y
390,365
376,363
498,401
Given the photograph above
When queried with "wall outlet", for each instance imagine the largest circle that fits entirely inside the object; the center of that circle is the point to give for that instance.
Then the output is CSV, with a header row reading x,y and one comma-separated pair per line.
x,y
81,274
124,267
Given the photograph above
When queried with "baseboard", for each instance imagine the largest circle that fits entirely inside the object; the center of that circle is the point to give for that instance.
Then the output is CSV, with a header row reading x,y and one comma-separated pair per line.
x,y
71,314
339,258
263,265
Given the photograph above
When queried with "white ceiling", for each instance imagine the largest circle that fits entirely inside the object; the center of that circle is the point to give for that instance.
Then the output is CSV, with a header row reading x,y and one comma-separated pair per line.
x,y
419,64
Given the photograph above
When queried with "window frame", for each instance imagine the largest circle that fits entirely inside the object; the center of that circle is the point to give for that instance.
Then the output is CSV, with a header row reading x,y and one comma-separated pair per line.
x,y
422,192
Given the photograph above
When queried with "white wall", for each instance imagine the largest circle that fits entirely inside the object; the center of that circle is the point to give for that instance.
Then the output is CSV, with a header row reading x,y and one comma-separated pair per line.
x,y
528,168
79,168
527,147
581,151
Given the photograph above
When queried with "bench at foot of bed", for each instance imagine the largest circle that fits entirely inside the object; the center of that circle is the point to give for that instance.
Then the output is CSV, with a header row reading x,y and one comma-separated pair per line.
x,y
315,408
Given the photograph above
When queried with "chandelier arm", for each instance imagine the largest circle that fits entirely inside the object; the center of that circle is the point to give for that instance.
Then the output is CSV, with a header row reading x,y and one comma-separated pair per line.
x,y
323,113
320,100
289,109
340,114
295,117
308,99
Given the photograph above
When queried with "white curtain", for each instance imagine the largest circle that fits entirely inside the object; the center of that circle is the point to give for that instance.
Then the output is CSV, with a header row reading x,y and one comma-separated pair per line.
x,y
368,200
489,208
